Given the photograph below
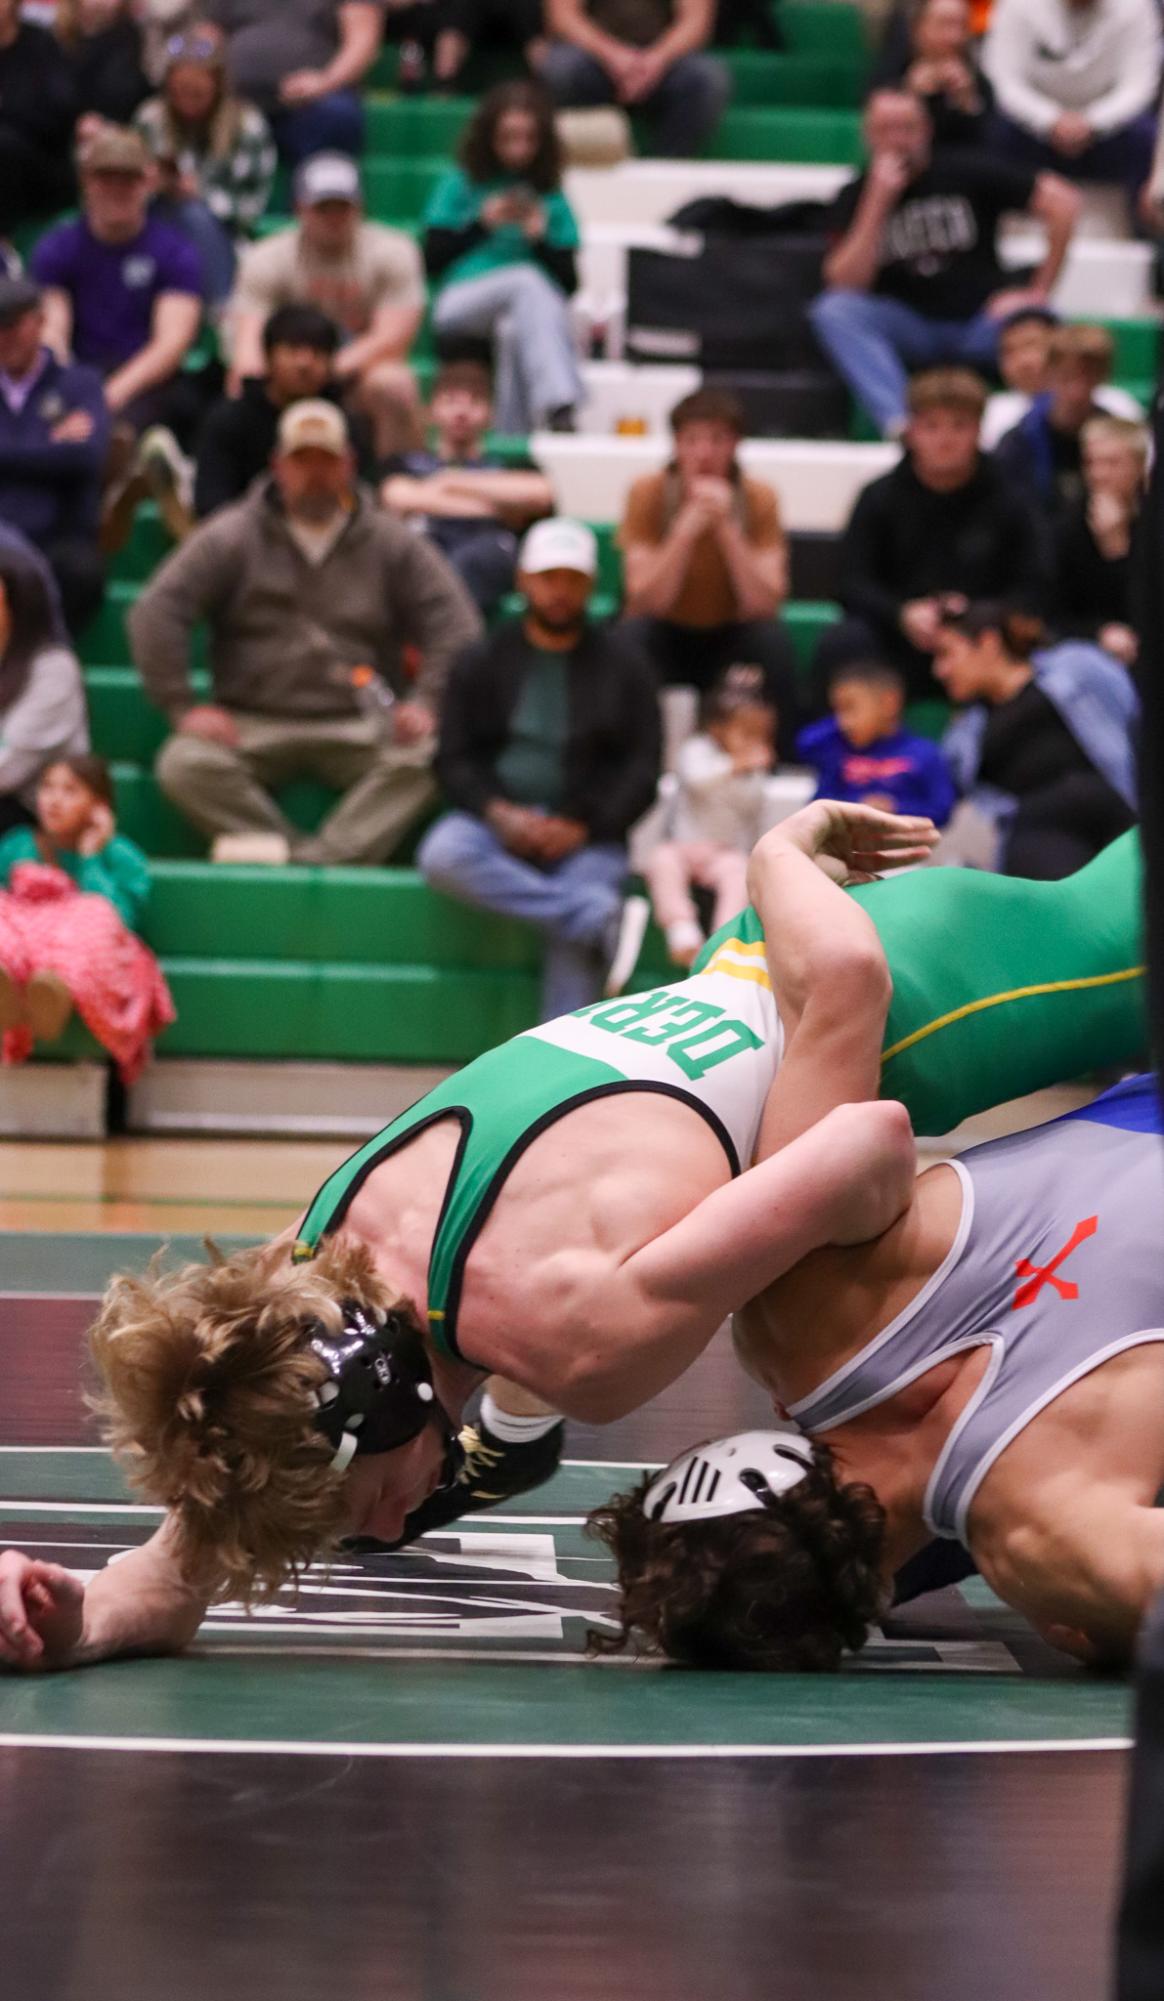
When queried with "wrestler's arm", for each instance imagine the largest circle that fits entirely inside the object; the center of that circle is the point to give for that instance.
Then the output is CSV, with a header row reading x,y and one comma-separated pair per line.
x,y
828,971
842,1182
1085,1576
142,1604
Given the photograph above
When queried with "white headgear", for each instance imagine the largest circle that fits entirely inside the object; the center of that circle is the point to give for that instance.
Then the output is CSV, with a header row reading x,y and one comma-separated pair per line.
x,y
731,1476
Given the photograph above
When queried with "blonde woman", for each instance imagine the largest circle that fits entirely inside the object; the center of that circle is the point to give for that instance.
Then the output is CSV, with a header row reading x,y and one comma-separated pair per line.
x,y
214,153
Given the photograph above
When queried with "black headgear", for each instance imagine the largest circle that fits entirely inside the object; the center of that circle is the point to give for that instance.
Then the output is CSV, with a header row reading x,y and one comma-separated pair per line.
x,y
378,1392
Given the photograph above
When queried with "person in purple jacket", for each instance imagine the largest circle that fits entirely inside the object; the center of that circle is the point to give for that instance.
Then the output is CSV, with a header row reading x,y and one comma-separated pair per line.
x,y
124,290
862,754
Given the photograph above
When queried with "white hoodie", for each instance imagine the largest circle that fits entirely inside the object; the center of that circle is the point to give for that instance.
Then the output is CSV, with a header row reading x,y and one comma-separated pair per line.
x,y
1046,56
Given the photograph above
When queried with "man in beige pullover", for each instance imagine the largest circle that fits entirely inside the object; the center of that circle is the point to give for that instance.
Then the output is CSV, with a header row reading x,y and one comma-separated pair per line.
x,y
310,593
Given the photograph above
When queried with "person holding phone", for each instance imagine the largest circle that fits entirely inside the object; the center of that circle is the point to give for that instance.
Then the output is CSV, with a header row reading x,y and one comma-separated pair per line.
x,y
500,243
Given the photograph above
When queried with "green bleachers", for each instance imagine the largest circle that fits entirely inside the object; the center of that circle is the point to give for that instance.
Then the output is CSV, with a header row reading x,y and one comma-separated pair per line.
x,y
807,137
762,124
368,964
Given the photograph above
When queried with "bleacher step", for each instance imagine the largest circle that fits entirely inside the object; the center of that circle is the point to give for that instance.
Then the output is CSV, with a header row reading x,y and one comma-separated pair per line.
x,y
347,1101
53,1101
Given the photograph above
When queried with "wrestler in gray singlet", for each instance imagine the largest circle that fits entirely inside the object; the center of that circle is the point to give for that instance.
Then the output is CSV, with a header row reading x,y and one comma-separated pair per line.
x,y
1056,1266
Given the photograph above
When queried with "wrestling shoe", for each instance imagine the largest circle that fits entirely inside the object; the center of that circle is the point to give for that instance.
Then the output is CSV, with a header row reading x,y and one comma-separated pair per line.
x,y
493,1471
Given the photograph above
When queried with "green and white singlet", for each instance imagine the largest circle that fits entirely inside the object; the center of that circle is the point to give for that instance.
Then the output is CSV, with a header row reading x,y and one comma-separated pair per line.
x,y
713,1040
1000,987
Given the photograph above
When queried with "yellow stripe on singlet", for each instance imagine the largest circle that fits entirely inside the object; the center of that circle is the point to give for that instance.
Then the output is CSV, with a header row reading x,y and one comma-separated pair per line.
x,y
753,950
724,962
1000,1000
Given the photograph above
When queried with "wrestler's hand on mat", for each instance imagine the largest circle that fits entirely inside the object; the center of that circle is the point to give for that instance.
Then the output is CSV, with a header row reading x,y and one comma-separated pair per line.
x,y
876,1167
851,842
42,1610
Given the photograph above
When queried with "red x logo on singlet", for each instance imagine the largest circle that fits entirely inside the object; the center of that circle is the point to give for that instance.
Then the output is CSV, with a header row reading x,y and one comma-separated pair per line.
x,y
1037,1276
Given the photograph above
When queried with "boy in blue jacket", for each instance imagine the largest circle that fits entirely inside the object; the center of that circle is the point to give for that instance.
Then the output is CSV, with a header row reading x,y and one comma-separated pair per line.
x,y
862,754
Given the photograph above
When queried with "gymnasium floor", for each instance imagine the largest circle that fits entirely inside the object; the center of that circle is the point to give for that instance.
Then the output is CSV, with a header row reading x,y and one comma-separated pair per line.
x,y
413,1784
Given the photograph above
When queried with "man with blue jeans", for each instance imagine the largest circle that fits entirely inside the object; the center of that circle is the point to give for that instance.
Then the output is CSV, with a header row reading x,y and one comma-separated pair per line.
x,y
303,63
647,55
549,752
913,278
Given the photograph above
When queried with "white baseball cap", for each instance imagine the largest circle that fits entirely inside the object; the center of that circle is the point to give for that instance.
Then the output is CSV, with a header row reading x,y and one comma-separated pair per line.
x,y
327,177
559,545
313,425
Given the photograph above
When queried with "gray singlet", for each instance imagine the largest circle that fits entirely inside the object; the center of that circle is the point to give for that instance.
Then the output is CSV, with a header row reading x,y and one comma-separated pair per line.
x,y
1057,1266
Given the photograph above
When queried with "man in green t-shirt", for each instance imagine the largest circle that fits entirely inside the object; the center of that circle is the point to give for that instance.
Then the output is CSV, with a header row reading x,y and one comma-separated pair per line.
x,y
549,752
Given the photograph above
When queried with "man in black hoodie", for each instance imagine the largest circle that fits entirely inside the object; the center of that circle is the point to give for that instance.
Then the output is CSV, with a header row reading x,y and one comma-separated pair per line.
x,y
549,752
238,437
943,529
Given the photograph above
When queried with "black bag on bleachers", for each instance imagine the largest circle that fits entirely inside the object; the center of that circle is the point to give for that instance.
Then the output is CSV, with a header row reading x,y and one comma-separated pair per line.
x,y
722,215
788,403
736,305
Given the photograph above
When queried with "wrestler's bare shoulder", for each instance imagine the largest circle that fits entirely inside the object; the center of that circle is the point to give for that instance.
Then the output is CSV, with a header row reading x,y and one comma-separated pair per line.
x,y
590,1189
1106,1431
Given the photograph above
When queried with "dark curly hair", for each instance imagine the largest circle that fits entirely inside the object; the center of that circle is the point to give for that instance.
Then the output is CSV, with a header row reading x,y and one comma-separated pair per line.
x,y
786,1590
478,155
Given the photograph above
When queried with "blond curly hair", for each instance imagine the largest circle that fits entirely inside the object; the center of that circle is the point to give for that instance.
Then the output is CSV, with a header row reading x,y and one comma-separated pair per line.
x,y
207,1398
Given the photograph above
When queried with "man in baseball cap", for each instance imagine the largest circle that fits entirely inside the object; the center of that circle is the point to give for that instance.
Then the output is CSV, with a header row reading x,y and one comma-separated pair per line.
x,y
549,752
367,278
123,289
569,546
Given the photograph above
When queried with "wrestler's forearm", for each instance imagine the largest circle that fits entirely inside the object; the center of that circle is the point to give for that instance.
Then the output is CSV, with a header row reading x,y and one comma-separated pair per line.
x,y
832,988
815,937
845,1181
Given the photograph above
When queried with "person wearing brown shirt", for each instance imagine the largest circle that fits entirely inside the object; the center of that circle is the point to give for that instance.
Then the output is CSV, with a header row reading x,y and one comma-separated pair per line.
x,y
706,562
647,55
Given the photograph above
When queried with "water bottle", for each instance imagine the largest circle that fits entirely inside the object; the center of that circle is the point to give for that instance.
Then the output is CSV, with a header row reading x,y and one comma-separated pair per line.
x,y
373,697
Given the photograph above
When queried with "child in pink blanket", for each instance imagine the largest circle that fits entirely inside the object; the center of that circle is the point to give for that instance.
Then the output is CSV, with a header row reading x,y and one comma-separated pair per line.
x,y
72,894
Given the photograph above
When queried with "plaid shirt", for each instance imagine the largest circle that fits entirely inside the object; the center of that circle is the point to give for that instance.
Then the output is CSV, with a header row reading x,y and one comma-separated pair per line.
x,y
235,189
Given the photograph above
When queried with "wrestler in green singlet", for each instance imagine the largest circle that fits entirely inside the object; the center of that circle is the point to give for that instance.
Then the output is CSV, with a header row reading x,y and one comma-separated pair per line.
x,y
1000,987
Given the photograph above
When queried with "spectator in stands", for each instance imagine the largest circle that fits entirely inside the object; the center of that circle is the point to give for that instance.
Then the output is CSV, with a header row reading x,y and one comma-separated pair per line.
x,y
945,525
647,55
707,561
716,815
914,276
863,753
468,26
214,155
310,592
104,44
499,246
72,894
236,441
1044,451
366,277
123,289
1076,83
42,700
54,440
1043,755
934,57
1024,347
37,112
463,498
549,752
302,62
1094,596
